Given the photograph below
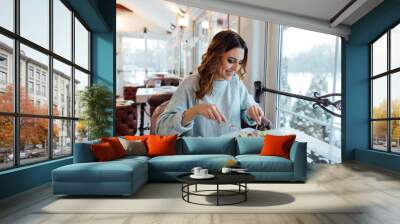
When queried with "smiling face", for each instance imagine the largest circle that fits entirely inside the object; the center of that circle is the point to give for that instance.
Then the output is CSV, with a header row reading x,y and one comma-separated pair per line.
x,y
230,64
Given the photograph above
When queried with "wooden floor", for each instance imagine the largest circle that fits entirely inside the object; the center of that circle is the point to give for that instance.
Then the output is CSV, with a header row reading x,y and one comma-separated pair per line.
x,y
378,188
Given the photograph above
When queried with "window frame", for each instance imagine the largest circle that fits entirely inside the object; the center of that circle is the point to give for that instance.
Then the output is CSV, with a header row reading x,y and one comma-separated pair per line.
x,y
388,74
16,115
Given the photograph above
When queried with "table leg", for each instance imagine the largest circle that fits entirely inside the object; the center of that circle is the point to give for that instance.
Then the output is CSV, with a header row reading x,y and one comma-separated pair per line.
x,y
217,194
245,193
141,127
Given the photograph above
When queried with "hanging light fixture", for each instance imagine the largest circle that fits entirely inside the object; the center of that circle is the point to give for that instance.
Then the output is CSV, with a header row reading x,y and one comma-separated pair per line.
x,y
183,21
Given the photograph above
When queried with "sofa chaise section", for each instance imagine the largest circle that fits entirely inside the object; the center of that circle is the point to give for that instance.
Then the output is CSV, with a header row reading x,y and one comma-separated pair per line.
x,y
87,177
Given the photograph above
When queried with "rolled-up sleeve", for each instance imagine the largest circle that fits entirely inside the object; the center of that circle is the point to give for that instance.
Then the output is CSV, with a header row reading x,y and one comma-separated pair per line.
x,y
246,101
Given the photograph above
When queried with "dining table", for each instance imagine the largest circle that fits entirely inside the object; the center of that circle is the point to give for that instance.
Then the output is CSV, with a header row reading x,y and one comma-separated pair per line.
x,y
143,94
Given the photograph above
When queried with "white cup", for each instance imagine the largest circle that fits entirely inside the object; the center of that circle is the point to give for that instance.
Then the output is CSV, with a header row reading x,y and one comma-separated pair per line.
x,y
196,170
203,172
226,170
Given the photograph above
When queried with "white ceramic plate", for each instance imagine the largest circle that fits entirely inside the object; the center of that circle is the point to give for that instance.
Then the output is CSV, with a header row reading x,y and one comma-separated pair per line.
x,y
208,176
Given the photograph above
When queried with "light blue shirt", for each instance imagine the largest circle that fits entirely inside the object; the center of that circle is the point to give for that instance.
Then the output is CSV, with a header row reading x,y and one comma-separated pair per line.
x,y
230,96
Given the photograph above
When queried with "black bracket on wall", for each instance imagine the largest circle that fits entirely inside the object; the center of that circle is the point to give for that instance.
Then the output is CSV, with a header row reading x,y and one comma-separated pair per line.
x,y
319,101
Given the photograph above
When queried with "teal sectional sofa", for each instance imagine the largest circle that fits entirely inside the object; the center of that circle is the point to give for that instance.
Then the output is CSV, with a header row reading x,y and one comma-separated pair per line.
x,y
125,176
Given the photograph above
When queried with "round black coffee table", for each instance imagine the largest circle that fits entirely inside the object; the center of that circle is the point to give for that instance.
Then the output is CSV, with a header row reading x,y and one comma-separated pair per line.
x,y
238,179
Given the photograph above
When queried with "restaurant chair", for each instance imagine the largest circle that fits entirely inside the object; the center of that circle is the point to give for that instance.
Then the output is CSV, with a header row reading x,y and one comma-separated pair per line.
x,y
154,117
130,92
127,120
170,82
155,100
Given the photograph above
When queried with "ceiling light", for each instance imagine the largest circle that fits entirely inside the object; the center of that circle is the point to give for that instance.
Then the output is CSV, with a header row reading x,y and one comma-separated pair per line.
x,y
205,25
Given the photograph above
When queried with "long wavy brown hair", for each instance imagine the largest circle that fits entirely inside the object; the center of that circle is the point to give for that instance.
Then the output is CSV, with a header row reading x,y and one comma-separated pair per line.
x,y
211,61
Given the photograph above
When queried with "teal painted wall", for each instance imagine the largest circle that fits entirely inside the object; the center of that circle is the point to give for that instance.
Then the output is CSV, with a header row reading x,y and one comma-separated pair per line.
x,y
356,84
27,177
99,16
104,51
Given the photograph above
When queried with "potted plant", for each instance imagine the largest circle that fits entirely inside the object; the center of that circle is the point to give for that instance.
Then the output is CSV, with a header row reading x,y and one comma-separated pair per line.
x,y
96,102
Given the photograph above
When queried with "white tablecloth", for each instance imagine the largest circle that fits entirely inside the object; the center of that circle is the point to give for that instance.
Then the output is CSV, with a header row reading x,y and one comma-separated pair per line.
x,y
143,94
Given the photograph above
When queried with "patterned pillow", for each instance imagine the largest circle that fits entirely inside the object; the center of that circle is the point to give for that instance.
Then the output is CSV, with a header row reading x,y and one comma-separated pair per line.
x,y
134,147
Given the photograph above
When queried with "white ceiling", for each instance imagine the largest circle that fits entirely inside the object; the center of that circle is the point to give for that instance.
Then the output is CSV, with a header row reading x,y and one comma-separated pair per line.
x,y
308,14
321,9
156,15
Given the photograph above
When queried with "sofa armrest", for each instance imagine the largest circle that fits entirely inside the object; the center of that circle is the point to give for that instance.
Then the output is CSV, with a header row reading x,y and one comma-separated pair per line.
x,y
83,152
298,155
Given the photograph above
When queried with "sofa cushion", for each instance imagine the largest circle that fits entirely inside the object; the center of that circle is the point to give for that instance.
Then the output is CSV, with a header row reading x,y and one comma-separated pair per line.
x,y
257,163
277,145
207,145
103,152
83,152
185,163
159,145
116,145
134,147
112,171
249,145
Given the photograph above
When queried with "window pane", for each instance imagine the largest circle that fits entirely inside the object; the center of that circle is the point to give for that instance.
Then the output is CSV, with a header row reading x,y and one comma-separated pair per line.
x,y
7,14
395,47
133,61
62,141
35,21
379,55
62,89
81,131
379,98
6,74
81,81
33,140
81,45
157,56
62,29
379,135
34,72
395,136
395,94
234,23
6,142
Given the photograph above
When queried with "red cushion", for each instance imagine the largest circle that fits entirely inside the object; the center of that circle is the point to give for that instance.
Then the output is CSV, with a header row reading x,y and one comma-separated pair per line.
x,y
161,145
103,151
116,145
277,145
142,138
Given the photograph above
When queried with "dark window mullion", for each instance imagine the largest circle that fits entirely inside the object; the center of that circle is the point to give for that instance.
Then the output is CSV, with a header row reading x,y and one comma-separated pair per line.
x,y
50,79
371,132
16,84
73,81
389,106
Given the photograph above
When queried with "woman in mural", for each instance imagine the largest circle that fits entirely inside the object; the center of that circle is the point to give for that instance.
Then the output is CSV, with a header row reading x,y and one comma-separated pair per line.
x,y
213,101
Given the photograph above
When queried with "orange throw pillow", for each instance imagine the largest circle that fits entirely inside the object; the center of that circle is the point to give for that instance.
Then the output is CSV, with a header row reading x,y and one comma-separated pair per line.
x,y
116,145
103,152
142,138
277,145
161,145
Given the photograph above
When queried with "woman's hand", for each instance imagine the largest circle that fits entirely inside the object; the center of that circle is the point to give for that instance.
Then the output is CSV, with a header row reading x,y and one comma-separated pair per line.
x,y
210,111
254,112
